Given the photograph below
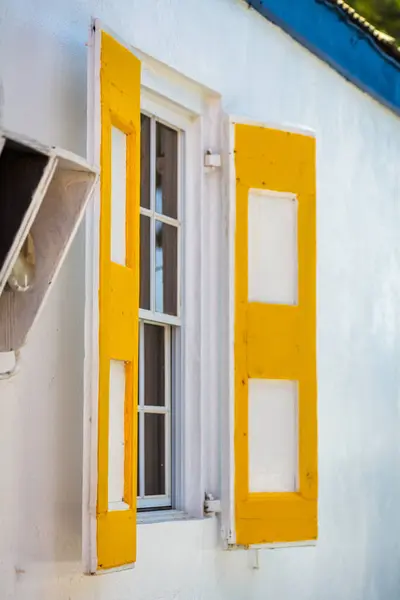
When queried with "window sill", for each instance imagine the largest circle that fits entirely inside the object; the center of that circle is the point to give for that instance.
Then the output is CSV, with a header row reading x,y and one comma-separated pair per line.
x,y
162,516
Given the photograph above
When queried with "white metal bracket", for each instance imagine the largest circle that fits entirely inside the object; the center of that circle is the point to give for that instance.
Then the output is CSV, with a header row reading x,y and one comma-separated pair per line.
x,y
212,506
212,160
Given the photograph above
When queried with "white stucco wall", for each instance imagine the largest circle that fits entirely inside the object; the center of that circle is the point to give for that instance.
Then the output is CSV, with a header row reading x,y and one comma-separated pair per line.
x,y
260,72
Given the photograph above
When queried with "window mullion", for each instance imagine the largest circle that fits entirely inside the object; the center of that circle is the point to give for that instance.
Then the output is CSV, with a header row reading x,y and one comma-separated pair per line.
x,y
166,219
141,455
155,410
141,465
146,212
158,318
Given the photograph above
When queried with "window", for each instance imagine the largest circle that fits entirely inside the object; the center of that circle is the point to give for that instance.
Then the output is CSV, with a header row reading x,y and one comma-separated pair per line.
x,y
236,356
159,311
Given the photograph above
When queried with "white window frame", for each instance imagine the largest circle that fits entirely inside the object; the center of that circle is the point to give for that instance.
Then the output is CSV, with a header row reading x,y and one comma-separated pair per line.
x,y
173,362
180,444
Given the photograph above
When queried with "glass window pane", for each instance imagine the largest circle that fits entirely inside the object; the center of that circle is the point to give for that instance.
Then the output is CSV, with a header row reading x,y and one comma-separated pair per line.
x,y
154,436
145,161
154,365
144,262
166,268
166,171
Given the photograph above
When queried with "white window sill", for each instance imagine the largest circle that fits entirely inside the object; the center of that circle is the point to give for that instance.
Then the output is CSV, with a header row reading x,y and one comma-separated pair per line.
x,y
161,516
276,546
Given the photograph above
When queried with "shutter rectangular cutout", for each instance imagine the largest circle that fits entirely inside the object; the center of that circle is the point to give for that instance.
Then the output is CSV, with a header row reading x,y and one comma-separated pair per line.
x,y
272,252
273,438
116,436
118,196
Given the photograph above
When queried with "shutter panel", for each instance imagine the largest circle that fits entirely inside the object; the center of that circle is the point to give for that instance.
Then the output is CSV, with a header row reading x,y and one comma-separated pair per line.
x,y
117,101
275,392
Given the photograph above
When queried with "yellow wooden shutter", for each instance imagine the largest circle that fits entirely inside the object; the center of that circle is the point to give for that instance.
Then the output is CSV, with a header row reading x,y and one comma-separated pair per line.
x,y
276,341
118,299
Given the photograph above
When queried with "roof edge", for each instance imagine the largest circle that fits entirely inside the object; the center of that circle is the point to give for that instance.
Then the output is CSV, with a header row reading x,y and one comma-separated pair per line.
x,y
386,42
346,42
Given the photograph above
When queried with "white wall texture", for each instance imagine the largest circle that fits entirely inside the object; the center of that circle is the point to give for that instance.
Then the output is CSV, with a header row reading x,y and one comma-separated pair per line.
x,y
262,73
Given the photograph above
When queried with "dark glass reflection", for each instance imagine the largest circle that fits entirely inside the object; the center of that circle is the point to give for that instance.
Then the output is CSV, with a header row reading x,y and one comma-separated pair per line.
x,y
166,268
145,161
166,171
154,440
144,262
154,365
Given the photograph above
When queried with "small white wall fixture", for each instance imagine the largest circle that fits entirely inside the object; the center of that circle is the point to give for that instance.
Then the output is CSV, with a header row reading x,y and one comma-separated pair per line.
x,y
43,194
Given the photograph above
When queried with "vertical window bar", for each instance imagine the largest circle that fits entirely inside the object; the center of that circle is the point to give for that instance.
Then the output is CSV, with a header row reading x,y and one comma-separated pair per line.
x,y
141,413
177,417
179,270
167,424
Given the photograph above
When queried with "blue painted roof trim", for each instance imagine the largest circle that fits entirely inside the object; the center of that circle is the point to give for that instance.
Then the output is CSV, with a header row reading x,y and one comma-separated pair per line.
x,y
324,30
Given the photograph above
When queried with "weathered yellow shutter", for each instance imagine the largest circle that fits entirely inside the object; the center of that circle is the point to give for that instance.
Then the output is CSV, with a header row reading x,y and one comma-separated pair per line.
x,y
118,299
276,341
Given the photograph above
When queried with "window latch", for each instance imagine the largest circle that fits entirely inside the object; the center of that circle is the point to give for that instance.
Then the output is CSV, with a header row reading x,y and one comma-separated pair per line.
x,y
212,506
212,160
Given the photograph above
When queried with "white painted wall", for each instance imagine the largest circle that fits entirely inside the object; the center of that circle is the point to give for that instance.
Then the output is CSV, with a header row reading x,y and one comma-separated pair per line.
x,y
263,74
